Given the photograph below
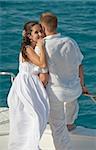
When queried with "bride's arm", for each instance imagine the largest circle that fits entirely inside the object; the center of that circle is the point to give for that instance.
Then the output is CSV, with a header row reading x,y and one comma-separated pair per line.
x,y
34,58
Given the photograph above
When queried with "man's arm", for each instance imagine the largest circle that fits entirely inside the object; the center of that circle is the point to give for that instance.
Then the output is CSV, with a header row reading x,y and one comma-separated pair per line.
x,y
81,75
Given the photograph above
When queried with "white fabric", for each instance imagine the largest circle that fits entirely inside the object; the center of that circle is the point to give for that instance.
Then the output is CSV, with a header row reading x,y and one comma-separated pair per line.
x,y
37,68
57,123
29,109
20,58
64,58
71,110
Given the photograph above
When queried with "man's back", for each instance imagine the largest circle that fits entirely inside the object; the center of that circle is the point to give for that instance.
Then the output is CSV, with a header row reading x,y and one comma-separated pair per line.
x,y
64,58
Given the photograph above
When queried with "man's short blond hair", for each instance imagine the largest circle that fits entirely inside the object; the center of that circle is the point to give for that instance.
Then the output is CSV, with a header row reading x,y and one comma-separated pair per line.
x,y
50,20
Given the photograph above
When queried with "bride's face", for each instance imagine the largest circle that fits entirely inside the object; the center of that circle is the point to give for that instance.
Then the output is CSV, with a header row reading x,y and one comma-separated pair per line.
x,y
36,33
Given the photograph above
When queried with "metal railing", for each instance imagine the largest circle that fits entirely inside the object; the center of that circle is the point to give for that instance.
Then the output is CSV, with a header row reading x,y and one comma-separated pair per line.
x,y
4,117
12,76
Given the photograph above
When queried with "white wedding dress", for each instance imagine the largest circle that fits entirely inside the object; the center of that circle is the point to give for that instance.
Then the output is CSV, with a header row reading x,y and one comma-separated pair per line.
x,y
28,109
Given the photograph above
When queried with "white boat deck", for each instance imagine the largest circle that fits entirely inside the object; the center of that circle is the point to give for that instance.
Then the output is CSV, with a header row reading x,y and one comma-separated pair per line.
x,y
81,138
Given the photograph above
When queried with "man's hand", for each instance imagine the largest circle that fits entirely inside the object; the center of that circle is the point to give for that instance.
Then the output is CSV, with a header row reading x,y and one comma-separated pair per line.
x,y
44,78
85,90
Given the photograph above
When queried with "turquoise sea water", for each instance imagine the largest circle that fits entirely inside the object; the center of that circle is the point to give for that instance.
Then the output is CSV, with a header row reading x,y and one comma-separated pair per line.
x,y
77,19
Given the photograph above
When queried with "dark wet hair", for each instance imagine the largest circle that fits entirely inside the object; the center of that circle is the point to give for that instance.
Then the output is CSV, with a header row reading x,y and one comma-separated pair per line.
x,y
26,41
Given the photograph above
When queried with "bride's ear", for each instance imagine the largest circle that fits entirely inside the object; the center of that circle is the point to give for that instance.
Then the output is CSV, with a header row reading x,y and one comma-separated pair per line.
x,y
29,36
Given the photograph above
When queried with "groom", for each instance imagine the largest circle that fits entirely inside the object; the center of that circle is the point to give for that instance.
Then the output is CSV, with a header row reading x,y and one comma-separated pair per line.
x,y
66,81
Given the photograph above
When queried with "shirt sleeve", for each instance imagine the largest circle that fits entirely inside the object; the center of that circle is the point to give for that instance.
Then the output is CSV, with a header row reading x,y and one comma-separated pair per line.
x,y
79,54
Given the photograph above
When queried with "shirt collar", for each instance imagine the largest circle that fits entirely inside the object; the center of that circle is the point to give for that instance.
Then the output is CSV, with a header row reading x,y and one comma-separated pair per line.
x,y
52,36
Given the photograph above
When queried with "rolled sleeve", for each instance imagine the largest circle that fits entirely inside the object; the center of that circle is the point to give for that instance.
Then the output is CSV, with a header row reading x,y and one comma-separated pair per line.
x,y
79,54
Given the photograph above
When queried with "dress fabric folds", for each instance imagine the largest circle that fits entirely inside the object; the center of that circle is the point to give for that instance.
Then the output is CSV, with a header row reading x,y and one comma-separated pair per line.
x,y
28,109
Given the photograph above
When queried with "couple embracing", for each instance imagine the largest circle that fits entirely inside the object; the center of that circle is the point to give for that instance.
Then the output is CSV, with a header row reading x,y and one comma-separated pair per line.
x,y
50,73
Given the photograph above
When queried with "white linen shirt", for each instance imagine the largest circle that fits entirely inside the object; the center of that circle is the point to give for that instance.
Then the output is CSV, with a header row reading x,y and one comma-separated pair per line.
x,y
64,58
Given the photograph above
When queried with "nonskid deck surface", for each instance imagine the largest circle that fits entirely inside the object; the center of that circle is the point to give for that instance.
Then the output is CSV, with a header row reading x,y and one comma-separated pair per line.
x,y
82,138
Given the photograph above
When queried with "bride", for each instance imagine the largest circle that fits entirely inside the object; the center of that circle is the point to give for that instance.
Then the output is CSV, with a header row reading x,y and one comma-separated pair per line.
x,y
27,99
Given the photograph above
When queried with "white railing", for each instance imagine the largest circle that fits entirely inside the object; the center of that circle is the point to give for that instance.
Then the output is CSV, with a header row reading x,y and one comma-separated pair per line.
x,y
4,117
12,76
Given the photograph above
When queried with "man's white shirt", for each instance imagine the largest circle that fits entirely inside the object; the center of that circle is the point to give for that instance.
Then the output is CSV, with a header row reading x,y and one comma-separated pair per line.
x,y
64,58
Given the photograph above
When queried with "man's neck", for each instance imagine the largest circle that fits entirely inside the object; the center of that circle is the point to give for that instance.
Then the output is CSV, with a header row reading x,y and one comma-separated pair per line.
x,y
50,33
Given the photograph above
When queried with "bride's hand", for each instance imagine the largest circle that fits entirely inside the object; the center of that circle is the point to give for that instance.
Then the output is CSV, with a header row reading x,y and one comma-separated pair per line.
x,y
44,78
40,43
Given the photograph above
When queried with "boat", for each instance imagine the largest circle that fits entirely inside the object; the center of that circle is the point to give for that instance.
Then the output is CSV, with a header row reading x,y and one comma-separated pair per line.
x,y
82,138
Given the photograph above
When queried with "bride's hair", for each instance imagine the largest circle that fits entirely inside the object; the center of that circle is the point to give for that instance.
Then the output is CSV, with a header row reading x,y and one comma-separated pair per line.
x,y
26,40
